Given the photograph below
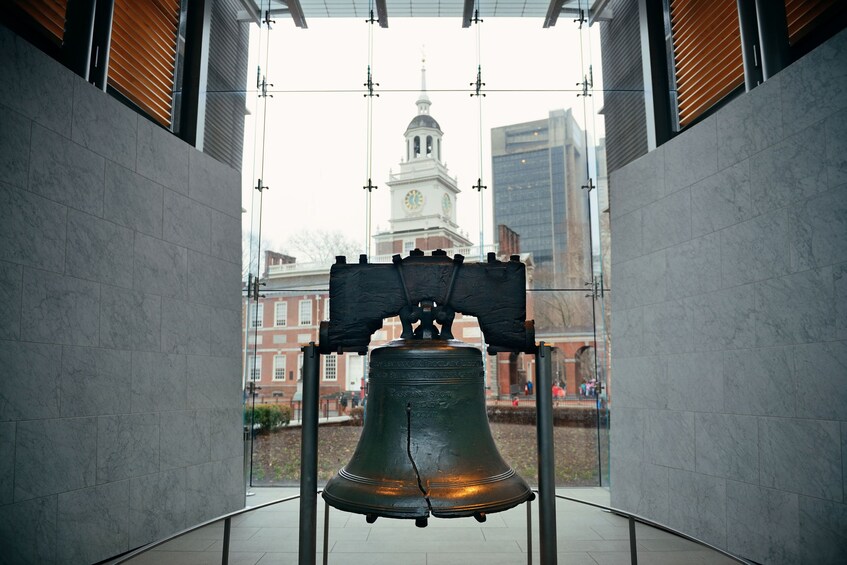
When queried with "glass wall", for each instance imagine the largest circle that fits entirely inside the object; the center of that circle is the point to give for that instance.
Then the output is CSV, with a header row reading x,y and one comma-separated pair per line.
x,y
517,166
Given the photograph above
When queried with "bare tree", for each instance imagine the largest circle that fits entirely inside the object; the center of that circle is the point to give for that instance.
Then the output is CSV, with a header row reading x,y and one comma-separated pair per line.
x,y
322,246
252,253
557,310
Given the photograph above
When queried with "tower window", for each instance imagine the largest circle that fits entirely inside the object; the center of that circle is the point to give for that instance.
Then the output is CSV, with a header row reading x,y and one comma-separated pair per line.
x,y
417,148
429,146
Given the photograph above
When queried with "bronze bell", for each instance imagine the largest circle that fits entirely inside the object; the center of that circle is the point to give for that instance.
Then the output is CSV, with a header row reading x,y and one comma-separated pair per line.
x,y
426,447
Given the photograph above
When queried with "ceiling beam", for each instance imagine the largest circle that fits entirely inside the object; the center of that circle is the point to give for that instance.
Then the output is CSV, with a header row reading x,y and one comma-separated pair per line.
x,y
297,13
553,11
382,13
467,14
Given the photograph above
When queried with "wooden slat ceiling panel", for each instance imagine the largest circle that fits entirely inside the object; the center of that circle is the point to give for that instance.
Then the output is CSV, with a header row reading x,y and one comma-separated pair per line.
x,y
50,14
707,54
802,15
143,54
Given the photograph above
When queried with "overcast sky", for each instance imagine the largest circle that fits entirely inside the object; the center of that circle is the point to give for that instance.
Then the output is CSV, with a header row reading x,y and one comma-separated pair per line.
x,y
315,141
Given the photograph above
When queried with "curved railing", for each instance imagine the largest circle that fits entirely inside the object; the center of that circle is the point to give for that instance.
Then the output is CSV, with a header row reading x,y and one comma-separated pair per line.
x,y
632,519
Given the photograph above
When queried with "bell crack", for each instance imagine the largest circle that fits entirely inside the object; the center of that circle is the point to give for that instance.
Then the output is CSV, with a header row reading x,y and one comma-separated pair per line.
x,y
409,453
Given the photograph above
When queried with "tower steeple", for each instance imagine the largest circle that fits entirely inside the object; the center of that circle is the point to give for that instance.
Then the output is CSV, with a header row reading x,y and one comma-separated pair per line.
x,y
423,100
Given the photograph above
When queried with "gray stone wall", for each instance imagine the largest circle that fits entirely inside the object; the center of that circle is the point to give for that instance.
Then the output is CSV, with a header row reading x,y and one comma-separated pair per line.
x,y
119,322
729,321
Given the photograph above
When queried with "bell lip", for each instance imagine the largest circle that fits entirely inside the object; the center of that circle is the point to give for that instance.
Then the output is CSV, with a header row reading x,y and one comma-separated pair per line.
x,y
433,344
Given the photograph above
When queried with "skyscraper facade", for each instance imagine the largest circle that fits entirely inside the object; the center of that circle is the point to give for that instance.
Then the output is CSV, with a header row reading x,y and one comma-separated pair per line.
x,y
539,169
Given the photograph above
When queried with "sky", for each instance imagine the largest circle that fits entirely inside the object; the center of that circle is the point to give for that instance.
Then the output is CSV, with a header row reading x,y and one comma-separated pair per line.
x,y
309,142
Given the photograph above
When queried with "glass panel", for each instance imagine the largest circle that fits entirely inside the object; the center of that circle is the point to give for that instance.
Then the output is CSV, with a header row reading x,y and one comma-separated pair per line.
x,y
534,145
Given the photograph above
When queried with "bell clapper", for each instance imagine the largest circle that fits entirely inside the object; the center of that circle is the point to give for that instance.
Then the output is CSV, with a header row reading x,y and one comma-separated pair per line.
x,y
421,522
480,517
370,518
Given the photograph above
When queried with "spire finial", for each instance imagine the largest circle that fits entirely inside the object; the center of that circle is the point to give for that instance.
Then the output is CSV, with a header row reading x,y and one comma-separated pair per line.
x,y
423,100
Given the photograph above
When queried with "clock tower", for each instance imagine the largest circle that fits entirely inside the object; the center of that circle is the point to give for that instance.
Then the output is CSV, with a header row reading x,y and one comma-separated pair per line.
x,y
423,194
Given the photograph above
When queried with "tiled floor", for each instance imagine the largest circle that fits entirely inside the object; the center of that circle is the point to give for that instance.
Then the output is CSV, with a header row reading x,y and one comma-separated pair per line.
x,y
586,536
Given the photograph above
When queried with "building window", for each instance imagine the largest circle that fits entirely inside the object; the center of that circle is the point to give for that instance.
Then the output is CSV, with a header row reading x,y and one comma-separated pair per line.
x,y
300,367
254,365
326,308
280,314
279,367
305,312
256,313
330,367
408,245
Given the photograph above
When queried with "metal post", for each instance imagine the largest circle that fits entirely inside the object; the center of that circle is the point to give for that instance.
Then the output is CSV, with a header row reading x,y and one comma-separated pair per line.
x,y
773,37
529,532
632,550
546,462
309,457
750,49
326,533
225,551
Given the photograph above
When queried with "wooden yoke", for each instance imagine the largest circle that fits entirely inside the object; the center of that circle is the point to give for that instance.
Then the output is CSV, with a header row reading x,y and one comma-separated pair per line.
x,y
427,289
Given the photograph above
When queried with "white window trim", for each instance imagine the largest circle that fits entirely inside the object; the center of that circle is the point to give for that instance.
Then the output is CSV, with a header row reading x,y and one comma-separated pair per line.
x,y
334,362
256,315
282,305
254,371
277,359
301,319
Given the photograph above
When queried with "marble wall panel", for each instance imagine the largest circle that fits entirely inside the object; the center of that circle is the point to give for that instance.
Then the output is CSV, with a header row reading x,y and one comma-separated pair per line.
x,y
226,237
32,230
629,329
94,381
836,149
756,249
819,230
749,124
187,223
34,84
695,382
629,432
159,382
642,182
186,327
160,267
760,382
215,282
98,250
127,446
28,530
694,267
815,86
628,242
65,172
213,488
130,319
823,531
788,171
667,222
640,382
53,456
697,505
726,446
796,308
725,319
157,506
214,184
668,327
226,432
215,382
15,131
133,201
59,309
11,288
820,370
839,276
104,125
700,140
162,157
7,462
225,324
93,523
669,439
801,456
184,439
762,524
721,200
34,391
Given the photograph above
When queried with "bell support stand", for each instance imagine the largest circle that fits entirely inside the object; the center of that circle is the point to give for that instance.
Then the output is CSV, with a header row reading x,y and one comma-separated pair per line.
x,y
546,466
309,457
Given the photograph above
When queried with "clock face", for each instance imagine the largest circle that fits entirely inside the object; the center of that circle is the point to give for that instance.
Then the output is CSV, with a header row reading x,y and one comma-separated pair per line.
x,y
446,204
413,200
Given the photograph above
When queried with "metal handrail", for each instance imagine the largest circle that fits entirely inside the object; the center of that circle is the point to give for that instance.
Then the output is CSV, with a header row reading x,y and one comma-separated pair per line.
x,y
631,518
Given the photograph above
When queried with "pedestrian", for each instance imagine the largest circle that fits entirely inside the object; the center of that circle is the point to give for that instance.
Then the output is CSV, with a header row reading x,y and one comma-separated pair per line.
x,y
529,387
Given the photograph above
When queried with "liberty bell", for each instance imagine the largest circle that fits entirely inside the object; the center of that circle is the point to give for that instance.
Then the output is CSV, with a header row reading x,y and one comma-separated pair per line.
x,y
426,447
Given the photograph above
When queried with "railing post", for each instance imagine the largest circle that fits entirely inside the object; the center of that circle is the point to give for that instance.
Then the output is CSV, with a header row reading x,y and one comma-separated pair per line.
x,y
309,457
633,553
225,550
546,461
